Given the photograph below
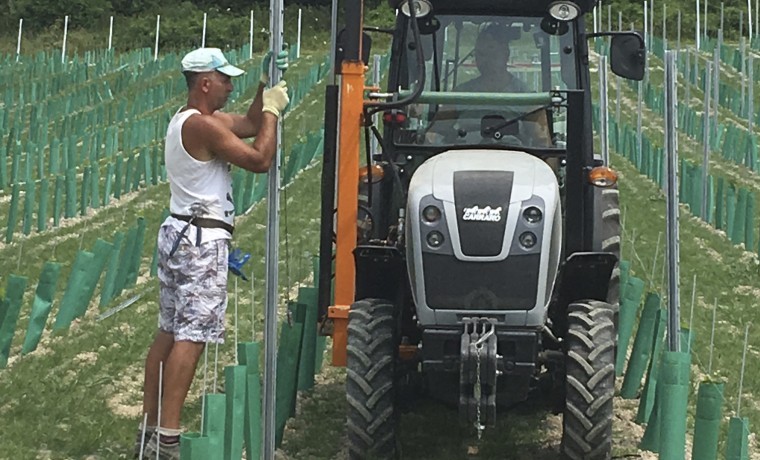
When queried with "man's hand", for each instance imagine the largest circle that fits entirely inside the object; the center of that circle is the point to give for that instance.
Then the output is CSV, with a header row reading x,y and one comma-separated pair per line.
x,y
276,98
281,62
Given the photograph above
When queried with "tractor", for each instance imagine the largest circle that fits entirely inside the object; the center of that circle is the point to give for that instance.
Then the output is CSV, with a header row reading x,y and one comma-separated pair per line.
x,y
473,255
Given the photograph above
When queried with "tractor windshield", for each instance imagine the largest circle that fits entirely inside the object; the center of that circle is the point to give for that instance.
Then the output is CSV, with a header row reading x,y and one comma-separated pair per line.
x,y
499,56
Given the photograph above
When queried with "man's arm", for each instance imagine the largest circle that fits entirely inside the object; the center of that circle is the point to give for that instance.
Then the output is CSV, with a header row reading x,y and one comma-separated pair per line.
x,y
206,137
248,125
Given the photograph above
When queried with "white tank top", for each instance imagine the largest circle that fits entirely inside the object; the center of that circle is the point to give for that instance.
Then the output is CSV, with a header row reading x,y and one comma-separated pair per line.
x,y
194,182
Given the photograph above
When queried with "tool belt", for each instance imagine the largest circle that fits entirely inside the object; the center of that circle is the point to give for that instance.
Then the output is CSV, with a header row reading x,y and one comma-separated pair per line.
x,y
205,222
200,222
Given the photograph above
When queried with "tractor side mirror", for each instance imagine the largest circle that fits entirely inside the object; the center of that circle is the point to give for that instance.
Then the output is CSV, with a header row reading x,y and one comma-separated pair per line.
x,y
628,56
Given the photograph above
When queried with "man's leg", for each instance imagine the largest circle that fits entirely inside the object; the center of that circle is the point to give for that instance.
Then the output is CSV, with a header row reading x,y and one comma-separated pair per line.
x,y
179,370
159,352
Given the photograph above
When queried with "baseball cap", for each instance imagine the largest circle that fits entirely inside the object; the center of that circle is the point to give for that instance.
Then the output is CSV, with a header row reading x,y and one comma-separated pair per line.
x,y
208,59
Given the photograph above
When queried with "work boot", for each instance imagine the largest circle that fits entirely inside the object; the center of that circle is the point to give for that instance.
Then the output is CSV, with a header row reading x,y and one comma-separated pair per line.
x,y
141,441
165,451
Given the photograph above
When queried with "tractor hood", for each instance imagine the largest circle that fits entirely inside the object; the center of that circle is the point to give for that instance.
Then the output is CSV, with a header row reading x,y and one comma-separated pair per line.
x,y
529,175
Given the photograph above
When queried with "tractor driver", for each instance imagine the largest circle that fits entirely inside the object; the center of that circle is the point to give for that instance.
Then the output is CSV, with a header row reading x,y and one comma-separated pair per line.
x,y
491,59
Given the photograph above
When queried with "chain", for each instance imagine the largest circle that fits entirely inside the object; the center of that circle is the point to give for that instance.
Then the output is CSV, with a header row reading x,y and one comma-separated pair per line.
x,y
477,390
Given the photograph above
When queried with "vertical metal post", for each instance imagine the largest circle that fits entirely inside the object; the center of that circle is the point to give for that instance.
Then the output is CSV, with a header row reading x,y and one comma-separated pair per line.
x,y
673,250
250,38
664,25
697,29
687,74
375,82
298,38
749,18
751,93
110,33
609,17
618,80
158,26
203,36
65,33
651,22
604,122
596,26
743,74
706,140
716,77
704,22
647,43
272,252
18,43
639,110
721,15
678,35
333,41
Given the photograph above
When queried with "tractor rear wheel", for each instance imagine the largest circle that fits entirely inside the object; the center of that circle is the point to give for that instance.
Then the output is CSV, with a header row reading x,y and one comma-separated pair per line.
x,y
370,367
611,233
590,381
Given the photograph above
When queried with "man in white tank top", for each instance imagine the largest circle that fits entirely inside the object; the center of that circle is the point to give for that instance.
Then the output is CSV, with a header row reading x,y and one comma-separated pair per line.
x,y
201,144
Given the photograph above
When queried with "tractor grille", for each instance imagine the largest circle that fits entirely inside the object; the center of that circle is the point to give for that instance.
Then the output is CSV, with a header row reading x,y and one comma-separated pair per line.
x,y
452,284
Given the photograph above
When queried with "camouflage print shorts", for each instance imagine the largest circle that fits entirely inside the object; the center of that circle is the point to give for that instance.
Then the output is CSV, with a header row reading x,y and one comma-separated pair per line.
x,y
193,288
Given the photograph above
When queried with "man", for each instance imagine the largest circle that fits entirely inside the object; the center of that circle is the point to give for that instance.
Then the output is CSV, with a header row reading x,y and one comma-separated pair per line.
x,y
201,143
492,55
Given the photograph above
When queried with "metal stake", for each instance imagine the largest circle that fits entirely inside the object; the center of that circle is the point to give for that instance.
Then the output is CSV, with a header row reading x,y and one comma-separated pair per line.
x,y
691,314
741,374
712,337
603,109
672,201
706,141
272,250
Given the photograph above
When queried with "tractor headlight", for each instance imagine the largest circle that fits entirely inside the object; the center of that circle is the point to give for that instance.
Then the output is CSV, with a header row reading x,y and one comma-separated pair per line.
x,y
532,215
528,240
564,10
435,239
431,214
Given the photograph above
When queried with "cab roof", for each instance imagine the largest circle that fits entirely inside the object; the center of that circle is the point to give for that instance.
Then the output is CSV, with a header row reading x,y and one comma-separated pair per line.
x,y
507,7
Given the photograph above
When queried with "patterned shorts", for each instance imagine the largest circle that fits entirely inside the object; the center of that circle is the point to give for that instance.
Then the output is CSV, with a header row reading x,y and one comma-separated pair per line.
x,y
193,287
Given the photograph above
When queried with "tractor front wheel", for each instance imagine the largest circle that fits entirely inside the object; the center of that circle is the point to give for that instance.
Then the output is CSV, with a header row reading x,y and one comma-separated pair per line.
x,y
371,356
590,381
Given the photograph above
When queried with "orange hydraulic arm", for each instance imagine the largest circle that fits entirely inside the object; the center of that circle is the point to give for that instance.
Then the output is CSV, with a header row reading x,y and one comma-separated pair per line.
x,y
350,125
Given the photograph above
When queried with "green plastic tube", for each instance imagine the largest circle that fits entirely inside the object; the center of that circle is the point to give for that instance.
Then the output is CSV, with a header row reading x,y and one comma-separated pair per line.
x,y
651,439
71,193
749,231
674,387
42,211
121,274
193,446
84,199
118,177
307,359
730,210
107,290
740,217
213,425
707,421
13,213
641,352
135,256
60,185
101,252
629,307
14,294
720,200
249,354
625,273
41,305
108,185
234,389
737,444
647,399
76,286
287,378
29,202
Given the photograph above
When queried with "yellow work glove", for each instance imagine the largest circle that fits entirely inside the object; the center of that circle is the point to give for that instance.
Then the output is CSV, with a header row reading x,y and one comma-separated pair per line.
x,y
276,98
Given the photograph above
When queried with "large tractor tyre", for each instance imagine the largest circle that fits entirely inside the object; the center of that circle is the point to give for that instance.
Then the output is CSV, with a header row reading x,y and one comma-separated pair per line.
x,y
609,241
370,367
590,381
